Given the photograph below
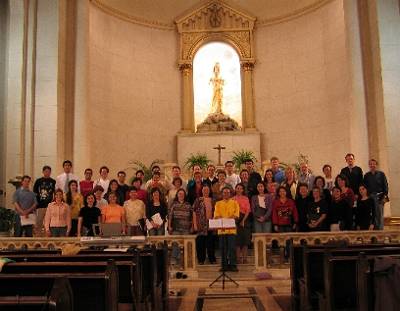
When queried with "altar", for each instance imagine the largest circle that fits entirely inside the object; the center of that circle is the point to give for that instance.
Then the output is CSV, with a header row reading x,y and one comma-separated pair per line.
x,y
193,143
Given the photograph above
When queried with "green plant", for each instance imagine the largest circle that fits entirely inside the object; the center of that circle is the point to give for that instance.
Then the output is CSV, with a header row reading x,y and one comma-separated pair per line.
x,y
138,165
7,218
301,158
200,159
240,157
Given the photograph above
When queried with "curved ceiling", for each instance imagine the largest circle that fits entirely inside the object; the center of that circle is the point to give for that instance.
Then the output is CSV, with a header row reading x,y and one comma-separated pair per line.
x,y
162,13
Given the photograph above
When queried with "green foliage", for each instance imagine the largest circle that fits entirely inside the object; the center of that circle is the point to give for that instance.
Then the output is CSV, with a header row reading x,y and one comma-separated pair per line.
x,y
7,218
241,156
200,159
301,158
138,165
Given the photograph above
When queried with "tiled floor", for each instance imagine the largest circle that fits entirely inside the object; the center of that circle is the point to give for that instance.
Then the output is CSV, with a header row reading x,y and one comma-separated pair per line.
x,y
252,295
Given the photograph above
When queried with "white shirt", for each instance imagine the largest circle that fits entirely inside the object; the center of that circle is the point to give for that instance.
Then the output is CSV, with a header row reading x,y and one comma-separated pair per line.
x,y
102,182
63,179
233,180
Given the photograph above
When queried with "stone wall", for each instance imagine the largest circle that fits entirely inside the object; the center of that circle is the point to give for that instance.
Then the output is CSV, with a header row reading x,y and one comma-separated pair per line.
x,y
134,92
303,90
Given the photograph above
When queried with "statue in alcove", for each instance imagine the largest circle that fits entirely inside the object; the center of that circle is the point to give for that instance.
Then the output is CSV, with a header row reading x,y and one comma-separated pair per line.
x,y
218,90
216,119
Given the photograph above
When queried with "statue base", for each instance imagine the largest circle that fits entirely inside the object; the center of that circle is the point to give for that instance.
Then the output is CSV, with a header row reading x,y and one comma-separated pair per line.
x,y
218,122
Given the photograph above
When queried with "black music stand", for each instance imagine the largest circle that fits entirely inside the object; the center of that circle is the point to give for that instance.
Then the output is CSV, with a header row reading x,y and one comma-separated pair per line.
x,y
223,274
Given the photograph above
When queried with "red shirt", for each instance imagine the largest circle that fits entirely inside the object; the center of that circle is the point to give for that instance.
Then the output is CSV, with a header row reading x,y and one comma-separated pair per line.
x,y
86,186
284,214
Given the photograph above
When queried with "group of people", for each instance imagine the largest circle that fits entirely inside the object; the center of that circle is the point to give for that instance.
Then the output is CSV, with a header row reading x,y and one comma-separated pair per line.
x,y
280,201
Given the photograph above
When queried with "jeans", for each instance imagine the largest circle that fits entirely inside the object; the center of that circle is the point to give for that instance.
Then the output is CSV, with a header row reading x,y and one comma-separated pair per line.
x,y
159,231
379,216
205,243
262,227
227,245
57,232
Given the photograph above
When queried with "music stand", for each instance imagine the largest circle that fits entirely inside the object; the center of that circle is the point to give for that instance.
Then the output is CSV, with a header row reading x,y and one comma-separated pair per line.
x,y
223,275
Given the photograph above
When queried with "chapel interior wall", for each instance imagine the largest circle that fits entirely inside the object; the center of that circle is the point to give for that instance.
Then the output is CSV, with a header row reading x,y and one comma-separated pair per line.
x,y
134,92
303,92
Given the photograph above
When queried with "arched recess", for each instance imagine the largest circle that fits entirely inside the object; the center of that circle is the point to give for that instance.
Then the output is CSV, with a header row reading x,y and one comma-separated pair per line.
x,y
204,61
216,21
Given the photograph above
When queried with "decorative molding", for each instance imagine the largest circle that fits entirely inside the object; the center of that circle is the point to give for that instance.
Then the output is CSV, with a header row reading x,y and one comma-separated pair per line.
x,y
130,18
292,15
215,21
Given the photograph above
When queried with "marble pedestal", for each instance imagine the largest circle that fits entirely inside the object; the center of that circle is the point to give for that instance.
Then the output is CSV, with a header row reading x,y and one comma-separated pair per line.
x,y
192,143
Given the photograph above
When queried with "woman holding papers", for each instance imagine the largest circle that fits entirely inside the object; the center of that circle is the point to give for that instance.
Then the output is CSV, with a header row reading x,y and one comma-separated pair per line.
x,y
261,206
203,209
156,213
243,225
180,221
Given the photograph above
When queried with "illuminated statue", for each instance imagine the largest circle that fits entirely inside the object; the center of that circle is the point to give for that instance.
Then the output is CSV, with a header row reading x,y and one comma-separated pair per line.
x,y
218,84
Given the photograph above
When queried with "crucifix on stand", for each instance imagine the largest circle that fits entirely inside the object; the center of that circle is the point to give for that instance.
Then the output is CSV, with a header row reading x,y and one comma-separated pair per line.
x,y
219,148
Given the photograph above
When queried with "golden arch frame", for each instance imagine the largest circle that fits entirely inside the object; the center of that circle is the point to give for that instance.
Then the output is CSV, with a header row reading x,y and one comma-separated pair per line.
x,y
198,28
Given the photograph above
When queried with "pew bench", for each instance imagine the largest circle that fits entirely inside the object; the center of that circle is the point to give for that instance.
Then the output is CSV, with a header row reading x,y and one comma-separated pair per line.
x,y
94,284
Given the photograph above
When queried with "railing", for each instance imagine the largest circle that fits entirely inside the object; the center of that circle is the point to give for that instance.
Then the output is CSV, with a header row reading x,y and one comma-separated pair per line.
x,y
262,242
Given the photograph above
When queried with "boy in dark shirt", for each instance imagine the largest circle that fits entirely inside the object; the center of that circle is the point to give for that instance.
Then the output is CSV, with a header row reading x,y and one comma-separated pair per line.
x,y
44,188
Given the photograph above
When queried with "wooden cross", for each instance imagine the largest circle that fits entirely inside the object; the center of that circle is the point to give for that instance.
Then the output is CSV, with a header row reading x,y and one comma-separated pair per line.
x,y
219,148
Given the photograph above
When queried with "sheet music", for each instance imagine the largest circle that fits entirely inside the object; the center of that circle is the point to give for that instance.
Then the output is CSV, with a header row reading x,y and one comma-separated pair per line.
x,y
222,223
157,219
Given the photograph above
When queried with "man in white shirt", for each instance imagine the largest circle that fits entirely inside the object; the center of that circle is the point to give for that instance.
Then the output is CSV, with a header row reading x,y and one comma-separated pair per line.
x,y
231,178
103,180
63,179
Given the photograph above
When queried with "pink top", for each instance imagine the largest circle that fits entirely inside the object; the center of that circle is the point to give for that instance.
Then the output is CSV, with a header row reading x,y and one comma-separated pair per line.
x,y
244,203
57,215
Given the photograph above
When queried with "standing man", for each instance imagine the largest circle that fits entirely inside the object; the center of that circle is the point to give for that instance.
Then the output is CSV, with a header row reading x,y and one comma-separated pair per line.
x,y
123,188
103,179
353,173
227,208
279,174
86,185
231,178
44,188
63,179
305,176
25,204
254,178
211,178
377,186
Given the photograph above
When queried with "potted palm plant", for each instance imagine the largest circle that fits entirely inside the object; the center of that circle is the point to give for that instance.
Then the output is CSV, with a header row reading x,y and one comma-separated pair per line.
x,y
7,218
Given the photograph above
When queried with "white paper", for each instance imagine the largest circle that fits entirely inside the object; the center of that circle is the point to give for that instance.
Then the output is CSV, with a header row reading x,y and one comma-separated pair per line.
x,y
228,223
215,223
157,219
31,220
149,226
222,223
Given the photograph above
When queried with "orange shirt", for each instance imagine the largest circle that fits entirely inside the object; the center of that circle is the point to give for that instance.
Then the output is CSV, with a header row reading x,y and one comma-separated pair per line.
x,y
113,214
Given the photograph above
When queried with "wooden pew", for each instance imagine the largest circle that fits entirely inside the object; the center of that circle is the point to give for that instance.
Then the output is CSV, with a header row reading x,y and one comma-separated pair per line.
x,y
143,273
349,282
308,280
94,284
29,293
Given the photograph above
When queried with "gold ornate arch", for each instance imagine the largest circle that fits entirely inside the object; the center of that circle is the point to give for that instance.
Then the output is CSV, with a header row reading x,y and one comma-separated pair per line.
x,y
216,21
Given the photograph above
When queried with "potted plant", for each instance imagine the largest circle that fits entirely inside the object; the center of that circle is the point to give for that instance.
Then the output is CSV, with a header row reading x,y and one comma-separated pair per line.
x,y
138,165
7,218
240,157
200,159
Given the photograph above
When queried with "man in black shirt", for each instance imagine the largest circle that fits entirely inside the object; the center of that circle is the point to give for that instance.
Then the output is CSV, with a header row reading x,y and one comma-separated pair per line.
x,y
122,186
254,178
44,188
377,186
353,173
